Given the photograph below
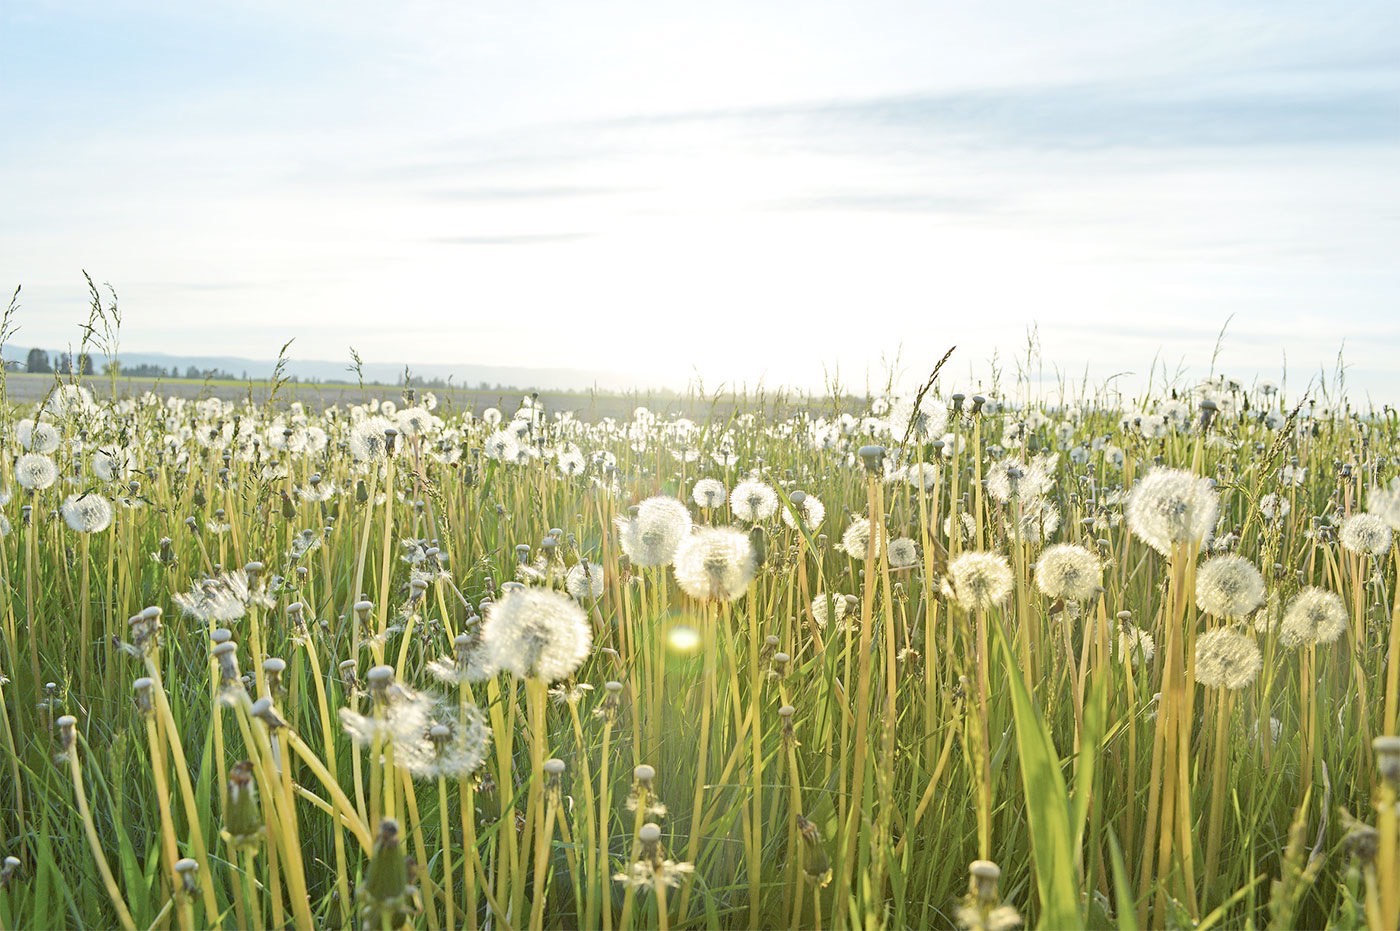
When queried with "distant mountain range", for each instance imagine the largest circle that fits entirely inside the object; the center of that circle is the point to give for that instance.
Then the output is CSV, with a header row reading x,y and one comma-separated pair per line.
x,y
385,373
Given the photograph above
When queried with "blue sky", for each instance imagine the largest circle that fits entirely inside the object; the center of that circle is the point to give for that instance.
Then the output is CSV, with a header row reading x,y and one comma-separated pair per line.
x,y
744,191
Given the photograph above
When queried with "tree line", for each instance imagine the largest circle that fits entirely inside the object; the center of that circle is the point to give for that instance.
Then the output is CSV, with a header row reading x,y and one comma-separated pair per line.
x,y
39,361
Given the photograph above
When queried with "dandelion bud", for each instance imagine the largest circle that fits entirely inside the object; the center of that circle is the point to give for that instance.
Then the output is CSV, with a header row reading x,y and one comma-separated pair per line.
x,y
362,610
347,674
385,894
142,686
817,865
166,556
243,820
188,871
273,667
1388,758
873,457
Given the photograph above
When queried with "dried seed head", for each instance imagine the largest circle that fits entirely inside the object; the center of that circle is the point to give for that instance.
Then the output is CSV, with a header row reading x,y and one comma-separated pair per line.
x,y
1388,758
142,687
67,732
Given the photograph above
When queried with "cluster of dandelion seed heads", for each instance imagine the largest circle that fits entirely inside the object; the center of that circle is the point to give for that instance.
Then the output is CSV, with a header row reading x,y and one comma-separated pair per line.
x,y
1384,502
1227,659
1170,506
715,564
1068,571
537,633
977,581
1229,586
1315,615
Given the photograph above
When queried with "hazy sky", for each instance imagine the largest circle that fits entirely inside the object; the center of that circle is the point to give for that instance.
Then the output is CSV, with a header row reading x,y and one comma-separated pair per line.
x,y
744,190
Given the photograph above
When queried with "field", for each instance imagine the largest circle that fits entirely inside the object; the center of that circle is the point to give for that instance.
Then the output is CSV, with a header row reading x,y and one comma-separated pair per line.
x,y
928,660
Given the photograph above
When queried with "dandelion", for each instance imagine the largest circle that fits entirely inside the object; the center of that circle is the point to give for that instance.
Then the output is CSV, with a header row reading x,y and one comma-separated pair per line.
x,y
978,580
654,870
1171,506
922,475
809,508
828,609
1135,646
369,439
1365,533
1315,615
1068,571
1229,586
114,464
1275,507
584,580
243,820
537,633
709,493
87,513
1385,504
857,542
385,897
35,471
651,537
753,501
1012,478
1227,659
903,553
982,909
38,437
470,662
715,564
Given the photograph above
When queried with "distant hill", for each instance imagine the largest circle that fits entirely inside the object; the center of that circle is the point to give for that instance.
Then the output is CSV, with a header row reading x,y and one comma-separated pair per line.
x,y
386,373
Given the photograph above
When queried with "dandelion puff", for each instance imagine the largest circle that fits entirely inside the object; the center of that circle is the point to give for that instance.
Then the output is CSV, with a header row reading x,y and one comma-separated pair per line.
x,y
903,553
537,633
1227,659
978,580
1135,646
1385,504
922,475
829,608
652,536
924,422
1365,533
1276,507
856,540
584,580
368,442
810,508
1229,586
715,564
1315,615
1172,506
87,513
753,501
1068,571
35,472
38,436
709,493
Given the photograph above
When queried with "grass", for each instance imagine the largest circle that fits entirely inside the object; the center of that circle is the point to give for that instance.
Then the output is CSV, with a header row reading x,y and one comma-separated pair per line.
x,y
802,773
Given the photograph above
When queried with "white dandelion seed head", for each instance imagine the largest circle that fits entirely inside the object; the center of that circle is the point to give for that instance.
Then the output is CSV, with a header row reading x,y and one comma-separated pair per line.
x,y
1227,659
584,580
903,553
830,608
367,440
1068,571
856,540
1315,615
922,475
651,537
1136,646
1034,478
709,493
1365,533
925,423
715,564
1229,586
1276,507
811,509
87,513
35,471
1169,506
38,436
1385,504
753,501
537,633
978,580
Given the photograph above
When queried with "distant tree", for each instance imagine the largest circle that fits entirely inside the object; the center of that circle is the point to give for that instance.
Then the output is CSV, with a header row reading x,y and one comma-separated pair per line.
x,y
194,373
38,361
65,364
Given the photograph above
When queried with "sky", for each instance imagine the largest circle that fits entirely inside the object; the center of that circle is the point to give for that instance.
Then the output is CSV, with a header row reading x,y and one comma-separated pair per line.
x,y
738,192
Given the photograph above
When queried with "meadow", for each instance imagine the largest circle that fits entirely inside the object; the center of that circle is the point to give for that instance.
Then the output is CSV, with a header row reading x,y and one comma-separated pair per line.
x,y
939,659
